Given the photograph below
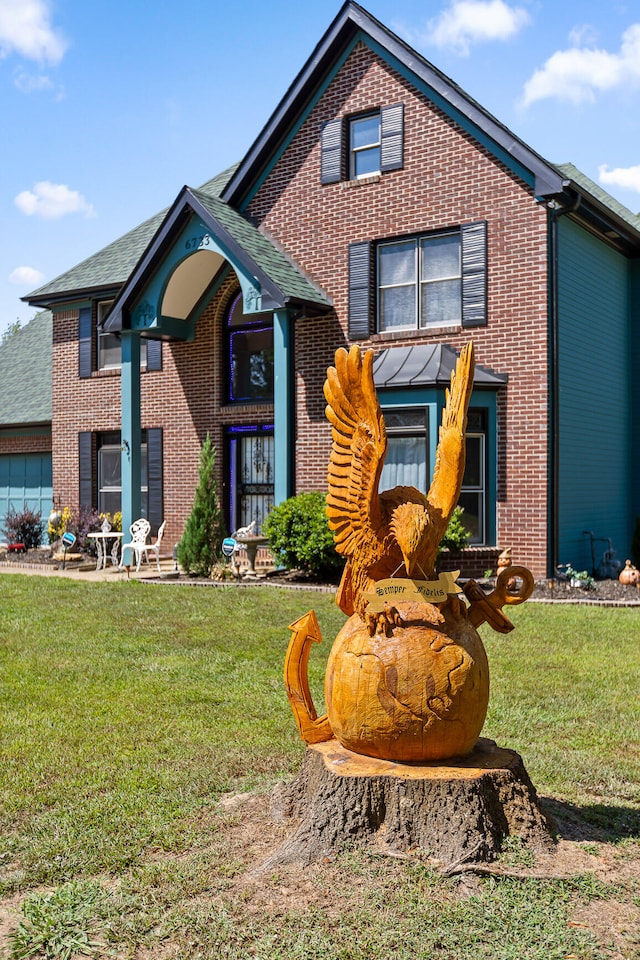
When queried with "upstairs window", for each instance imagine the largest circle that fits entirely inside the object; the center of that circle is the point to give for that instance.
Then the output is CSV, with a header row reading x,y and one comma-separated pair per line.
x,y
109,352
364,146
424,282
420,283
355,147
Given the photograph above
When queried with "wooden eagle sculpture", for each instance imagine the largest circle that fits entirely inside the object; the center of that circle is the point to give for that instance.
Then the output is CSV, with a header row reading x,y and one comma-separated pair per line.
x,y
381,533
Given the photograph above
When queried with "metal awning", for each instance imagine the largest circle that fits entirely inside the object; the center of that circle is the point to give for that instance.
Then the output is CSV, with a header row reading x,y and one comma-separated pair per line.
x,y
426,365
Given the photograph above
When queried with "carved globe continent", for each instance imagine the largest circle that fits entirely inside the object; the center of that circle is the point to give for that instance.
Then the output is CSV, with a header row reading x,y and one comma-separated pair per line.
x,y
419,694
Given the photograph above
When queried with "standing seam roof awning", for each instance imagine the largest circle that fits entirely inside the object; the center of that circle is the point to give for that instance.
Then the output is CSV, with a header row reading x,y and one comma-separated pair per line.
x,y
426,365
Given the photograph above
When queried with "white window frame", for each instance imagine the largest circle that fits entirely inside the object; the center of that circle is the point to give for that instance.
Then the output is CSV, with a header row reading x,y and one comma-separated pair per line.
x,y
371,146
104,489
479,490
418,283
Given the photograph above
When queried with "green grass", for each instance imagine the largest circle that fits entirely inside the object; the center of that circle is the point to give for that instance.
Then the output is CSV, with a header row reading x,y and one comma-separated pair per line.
x,y
127,710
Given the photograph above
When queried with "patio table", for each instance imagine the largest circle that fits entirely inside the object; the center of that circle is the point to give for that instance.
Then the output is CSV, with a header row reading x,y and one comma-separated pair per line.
x,y
102,538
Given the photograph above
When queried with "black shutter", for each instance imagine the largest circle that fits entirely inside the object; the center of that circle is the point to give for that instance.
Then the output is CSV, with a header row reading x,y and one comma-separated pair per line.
x,y
154,477
85,330
331,152
392,137
85,469
154,354
474,274
359,290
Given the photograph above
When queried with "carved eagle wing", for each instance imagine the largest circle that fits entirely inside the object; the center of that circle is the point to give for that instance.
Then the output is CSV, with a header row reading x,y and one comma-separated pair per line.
x,y
357,455
450,456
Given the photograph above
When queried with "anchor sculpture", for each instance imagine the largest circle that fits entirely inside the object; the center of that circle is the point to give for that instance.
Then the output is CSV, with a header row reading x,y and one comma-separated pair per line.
x,y
407,678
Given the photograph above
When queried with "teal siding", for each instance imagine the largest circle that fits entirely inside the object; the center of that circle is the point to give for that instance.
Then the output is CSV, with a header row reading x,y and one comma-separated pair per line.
x,y
594,418
25,480
634,396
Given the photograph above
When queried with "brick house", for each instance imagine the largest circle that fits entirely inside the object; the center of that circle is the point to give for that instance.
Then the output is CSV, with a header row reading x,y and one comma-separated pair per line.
x,y
380,205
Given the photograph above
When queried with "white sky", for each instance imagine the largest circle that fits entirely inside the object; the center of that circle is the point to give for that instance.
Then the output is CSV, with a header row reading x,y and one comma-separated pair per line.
x,y
109,108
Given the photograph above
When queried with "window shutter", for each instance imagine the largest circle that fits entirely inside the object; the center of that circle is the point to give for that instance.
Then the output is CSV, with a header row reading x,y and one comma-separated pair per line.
x,y
359,290
154,354
331,152
154,477
85,331
474,274
85,469
392,137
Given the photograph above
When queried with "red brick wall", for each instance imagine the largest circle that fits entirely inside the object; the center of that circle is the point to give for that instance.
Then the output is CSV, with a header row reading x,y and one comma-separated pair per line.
x,y
31,443
185,398
447,179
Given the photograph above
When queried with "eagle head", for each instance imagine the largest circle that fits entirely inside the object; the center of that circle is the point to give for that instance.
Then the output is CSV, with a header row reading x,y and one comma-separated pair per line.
x,y
411,527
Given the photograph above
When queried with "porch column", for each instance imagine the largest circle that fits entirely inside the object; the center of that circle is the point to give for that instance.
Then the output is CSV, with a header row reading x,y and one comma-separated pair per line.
x,y
131,433
283,407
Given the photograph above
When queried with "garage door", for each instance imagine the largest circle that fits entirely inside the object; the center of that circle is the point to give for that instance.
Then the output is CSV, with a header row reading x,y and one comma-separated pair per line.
x,y
25,479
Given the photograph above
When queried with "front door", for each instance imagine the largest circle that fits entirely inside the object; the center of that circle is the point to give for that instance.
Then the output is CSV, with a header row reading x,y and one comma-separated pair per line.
x,y
251,468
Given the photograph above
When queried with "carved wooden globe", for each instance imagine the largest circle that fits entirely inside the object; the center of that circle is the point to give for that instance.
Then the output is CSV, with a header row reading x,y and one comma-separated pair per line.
x,y
420,694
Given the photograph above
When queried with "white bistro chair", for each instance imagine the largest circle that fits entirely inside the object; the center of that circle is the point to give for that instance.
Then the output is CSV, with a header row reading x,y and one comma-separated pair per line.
x,y
139,531
154,547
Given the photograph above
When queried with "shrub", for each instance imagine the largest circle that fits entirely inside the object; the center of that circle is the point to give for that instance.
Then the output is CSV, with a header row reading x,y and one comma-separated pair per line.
x,y
24,526
456,535
299,535
201,543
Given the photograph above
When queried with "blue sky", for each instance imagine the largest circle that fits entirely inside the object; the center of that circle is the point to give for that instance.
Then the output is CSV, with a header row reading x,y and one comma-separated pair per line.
x,y
108,108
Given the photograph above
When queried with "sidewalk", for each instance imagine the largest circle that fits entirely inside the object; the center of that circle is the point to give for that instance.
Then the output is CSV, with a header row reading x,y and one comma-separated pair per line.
x,y
148,571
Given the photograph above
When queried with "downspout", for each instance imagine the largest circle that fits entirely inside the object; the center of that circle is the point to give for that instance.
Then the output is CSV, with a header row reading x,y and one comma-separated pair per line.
x,y
553,482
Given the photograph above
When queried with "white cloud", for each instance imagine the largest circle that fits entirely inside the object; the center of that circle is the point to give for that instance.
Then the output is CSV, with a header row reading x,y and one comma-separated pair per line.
x,y
26,277
626,177
475,21
578,74
25,29
52,201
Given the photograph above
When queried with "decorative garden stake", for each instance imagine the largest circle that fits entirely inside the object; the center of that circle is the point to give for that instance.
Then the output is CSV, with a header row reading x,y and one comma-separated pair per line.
x,y
407,680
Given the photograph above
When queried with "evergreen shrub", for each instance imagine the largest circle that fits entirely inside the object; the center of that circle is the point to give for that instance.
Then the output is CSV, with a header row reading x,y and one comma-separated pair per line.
x,y
299,535
201,545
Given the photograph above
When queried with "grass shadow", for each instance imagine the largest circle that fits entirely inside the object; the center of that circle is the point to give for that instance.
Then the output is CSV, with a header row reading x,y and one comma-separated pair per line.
x,y
599,822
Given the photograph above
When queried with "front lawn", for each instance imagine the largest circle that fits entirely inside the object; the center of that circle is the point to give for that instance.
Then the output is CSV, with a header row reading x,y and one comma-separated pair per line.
x,y
142,727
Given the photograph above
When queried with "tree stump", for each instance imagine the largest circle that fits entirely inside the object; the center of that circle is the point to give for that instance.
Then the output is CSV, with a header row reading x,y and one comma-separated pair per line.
x,y
454,812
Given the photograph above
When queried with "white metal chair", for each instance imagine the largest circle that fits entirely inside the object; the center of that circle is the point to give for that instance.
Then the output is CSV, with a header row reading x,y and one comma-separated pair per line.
x,y
154,547
139,531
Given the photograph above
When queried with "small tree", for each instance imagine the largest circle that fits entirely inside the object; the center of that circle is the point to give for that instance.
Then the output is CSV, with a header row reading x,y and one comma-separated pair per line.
x,y
200,546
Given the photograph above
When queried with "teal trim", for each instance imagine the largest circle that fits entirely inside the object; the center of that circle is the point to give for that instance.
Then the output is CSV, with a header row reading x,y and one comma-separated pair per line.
x,y
456,115
320,92
194,237
131,435
441,102
433,399
595,396
283,387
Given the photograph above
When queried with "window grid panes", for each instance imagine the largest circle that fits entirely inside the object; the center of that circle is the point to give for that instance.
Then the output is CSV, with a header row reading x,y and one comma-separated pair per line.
x,y
250,346
420,283
364,146
109,351
110,478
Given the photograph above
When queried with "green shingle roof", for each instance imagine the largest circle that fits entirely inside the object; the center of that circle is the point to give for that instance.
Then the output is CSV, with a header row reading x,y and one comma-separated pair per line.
x,y
111,266
287,277
25,373
570,172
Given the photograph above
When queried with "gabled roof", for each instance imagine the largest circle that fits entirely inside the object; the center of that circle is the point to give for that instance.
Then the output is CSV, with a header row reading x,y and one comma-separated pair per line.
x,y
353,22
601,201
426,365
110,267
281,282
25,374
